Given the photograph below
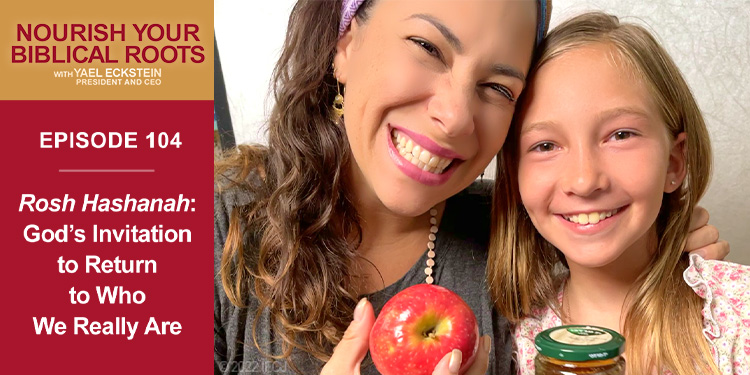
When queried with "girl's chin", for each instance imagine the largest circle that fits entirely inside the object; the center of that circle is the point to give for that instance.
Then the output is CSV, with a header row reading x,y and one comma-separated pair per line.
x,y
594,258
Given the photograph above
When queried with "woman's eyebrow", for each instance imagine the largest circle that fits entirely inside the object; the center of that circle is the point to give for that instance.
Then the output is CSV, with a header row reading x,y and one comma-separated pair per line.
x,y
507,70
500,69
447,33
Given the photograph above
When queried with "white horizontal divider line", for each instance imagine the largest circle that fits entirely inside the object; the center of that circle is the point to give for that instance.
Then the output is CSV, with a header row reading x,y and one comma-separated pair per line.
x,y
104,170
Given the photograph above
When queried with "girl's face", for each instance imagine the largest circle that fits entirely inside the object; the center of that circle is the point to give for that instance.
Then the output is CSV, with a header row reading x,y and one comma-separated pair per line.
x,y
595,158
430,92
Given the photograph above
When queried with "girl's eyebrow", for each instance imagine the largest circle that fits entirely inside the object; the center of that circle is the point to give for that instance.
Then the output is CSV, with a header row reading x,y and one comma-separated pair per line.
x,y
614,113
601,118
537,126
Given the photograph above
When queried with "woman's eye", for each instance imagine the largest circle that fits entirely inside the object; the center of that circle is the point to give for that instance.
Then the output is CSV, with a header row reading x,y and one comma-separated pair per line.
x,y
504,91
544,147
427,46
622,135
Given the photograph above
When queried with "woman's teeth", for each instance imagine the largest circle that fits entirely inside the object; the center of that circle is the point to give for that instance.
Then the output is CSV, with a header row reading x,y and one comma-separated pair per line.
x,y
418,156
590,218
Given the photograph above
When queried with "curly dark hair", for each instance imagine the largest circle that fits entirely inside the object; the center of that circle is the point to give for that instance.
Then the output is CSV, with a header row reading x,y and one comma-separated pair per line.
x,y
293,247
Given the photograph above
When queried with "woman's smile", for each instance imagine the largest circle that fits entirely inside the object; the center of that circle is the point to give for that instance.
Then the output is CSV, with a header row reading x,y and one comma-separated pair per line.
x,y
431,94
420,158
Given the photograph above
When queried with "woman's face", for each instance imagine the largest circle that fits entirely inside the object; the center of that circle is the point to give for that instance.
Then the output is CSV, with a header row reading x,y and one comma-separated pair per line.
x,y
595,158
430,92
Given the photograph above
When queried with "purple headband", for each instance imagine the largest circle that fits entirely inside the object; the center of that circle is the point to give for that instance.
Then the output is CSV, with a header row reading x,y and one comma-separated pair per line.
x,y
349,10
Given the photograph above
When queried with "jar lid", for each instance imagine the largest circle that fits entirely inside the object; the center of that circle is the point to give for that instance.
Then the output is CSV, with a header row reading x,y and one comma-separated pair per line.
x,y
578,343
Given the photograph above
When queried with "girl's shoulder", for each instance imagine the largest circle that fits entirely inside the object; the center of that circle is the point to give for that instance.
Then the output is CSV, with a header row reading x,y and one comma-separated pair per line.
x,y
725,290
719,280
524,333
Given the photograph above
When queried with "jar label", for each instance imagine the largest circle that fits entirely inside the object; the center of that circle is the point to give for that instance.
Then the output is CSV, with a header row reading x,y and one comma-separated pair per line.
x,y
580,336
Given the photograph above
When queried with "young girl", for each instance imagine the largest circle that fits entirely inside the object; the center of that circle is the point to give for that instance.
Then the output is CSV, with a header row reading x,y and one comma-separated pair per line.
x,y
605,163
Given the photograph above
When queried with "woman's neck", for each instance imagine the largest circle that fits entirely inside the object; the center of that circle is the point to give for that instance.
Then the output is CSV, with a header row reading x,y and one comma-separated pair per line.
x,y
390,245
598,296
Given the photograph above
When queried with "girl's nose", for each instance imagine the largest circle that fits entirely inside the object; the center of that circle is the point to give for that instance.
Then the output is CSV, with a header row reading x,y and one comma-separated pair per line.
x,y
583,174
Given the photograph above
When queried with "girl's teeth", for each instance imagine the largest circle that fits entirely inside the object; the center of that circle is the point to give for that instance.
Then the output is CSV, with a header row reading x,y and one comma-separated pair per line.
x,y
418,156
591,218
583,219
594,217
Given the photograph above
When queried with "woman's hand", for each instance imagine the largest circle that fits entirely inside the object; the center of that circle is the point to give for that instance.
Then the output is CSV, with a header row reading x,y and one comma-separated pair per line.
x,y
451,363
703,238
348,354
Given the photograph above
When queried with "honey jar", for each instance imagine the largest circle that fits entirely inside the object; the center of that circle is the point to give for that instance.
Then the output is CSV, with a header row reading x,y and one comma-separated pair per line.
x,y
579,349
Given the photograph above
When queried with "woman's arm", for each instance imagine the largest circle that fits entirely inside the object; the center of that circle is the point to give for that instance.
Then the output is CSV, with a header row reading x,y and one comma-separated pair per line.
x,y
704,238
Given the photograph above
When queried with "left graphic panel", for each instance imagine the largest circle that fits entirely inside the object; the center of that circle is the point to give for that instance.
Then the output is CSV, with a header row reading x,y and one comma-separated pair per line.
x,y
105,203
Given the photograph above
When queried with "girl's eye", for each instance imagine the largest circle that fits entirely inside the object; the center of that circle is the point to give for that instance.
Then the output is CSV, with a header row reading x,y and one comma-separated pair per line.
x,y
504,91
621,135
544,147
427,46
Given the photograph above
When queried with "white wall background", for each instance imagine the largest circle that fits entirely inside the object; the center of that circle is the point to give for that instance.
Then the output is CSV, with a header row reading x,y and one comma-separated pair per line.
x,y
709,40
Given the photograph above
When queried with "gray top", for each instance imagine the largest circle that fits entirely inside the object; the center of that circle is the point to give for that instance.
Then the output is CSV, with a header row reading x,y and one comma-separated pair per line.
x,y
461,257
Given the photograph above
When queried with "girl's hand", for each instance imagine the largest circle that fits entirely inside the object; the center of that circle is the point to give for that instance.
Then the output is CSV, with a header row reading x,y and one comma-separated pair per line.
x,y
450,364
348,354
703,238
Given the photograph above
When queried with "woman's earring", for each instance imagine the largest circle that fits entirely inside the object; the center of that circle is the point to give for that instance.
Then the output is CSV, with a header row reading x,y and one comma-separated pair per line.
x,y
338,101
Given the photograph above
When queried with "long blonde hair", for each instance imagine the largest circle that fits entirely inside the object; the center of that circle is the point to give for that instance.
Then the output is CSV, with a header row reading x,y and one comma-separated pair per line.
x,y
663,324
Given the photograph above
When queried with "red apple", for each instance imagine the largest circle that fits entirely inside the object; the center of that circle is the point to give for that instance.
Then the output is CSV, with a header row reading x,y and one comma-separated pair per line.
x,y
419,326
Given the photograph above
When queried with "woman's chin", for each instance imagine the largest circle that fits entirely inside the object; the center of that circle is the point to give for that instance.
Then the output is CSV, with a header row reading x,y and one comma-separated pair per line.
x,y
407,205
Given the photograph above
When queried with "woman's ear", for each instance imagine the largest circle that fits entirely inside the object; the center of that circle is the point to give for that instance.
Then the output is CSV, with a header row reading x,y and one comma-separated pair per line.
x,y
344,48
677,169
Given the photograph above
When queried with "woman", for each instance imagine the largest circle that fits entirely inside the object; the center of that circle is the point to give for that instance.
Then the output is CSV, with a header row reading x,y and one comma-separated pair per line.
x,y
334,209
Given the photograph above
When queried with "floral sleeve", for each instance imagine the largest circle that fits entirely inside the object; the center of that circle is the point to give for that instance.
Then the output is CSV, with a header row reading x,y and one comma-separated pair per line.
x,y
725,288
524,334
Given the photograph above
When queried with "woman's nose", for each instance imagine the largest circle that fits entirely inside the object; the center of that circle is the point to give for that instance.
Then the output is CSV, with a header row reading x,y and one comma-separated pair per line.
x,y
451,107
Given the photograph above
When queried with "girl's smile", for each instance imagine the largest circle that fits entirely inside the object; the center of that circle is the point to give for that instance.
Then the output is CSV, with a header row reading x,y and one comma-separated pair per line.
x,y
595,158
591,222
